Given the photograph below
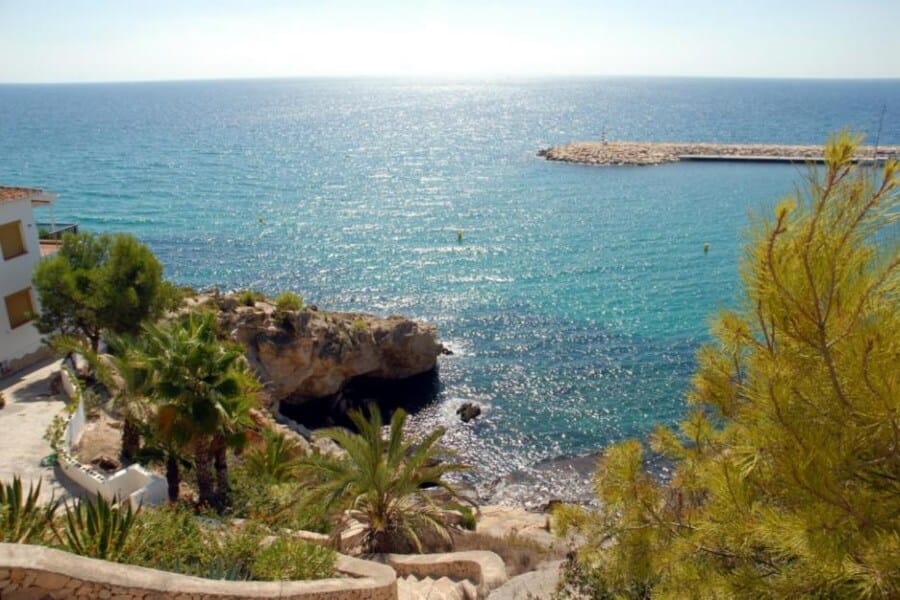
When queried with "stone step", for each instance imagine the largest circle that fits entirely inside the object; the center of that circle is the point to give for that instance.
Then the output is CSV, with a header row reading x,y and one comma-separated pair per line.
x,y
427,588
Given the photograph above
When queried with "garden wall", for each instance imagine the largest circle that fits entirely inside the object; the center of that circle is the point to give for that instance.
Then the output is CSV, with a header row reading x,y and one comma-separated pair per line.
x,y
134,484
36,572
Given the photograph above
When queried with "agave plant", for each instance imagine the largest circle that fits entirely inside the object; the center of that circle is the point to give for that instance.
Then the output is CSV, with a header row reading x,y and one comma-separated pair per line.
x,y
381,482
96,528
22,518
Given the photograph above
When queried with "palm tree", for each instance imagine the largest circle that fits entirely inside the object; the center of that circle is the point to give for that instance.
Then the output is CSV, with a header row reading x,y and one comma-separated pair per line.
x,y
234,424
381,482
201,393
123,375
277,461
132,379
166,441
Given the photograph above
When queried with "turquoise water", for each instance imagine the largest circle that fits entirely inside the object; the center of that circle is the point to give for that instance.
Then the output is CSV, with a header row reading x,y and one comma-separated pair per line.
x,y
578,296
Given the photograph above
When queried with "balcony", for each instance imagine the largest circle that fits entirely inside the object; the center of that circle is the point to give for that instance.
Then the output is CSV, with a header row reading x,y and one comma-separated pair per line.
x,y
50,235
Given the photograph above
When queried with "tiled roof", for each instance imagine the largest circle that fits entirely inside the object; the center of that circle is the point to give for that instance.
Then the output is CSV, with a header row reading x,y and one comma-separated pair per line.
x,y
15,193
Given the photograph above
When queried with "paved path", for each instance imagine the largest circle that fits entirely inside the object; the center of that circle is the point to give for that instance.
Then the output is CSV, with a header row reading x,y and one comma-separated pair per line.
x,y
535,585
23,421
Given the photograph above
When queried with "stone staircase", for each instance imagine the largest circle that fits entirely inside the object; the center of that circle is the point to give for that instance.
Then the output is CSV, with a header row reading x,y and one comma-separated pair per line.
x,y
428,588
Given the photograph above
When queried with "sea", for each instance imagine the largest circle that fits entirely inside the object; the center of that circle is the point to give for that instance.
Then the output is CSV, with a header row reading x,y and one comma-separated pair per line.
x,y
577,296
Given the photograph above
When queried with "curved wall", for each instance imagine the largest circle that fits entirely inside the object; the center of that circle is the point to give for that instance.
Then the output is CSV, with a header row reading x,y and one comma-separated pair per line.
x,y
28,571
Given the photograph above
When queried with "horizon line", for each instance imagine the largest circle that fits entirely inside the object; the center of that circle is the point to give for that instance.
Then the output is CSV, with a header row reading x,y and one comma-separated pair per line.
x,y
451,77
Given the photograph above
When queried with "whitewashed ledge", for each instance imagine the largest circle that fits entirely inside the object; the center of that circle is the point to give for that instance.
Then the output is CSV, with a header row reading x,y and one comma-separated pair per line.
x,y
28,571
621,153
134,484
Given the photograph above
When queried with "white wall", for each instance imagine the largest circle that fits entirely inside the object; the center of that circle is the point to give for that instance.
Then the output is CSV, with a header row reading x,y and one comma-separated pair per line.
x,y
15,275
135,483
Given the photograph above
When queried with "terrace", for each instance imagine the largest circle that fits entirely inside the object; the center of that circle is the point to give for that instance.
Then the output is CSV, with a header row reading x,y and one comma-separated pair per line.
x,y
50,235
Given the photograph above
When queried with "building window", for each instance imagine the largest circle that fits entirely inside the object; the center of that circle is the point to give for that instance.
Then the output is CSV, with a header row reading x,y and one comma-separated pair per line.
x,y
11,240
19,308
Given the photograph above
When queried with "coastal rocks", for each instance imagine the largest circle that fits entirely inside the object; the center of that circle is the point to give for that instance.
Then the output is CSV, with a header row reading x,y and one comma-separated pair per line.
x,y
468,411
654,153
302,355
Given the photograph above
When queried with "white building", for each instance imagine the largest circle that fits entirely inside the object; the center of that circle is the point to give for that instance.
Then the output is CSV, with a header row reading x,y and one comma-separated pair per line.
x,y
20,342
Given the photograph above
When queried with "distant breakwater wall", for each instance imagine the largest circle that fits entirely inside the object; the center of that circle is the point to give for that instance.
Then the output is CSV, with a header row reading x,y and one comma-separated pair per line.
x,y
653,153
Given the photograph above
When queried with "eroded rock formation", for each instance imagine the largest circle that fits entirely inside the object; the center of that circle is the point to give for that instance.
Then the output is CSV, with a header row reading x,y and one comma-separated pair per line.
x,y
308,354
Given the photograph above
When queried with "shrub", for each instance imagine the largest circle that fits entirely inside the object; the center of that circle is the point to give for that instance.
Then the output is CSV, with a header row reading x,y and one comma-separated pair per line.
x,y
359,325
786,471
234,549
288,301
173,538
287,559
275,504
249,297
153,543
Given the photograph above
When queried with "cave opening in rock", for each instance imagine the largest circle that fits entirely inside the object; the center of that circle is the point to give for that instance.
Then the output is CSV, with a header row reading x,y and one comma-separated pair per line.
x,y
411,394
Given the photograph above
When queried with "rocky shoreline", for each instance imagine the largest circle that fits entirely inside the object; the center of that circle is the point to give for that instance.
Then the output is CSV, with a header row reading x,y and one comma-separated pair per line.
x,y
308,354
316,365
620,153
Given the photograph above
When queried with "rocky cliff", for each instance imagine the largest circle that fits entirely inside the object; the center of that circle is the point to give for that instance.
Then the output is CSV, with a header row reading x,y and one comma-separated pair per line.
x,y
306,354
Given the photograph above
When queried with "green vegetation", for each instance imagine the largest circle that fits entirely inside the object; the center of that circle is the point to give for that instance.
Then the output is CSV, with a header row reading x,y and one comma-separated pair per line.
x,y
203,394
276,461
207,547
170,538
381,482
22,519
277,504
130,383
359,326
288,301
96,283
95,528
249,297
787,472
292,559
185,398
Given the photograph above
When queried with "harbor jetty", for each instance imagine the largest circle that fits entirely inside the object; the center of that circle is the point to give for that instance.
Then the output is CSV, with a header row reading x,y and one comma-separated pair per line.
x,y
653,153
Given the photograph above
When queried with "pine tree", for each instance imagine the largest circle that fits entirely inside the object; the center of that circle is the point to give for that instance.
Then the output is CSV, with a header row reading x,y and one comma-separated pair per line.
x,y
787,469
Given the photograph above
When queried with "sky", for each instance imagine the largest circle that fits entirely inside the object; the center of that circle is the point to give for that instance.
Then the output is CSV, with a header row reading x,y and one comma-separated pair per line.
x,y
130,40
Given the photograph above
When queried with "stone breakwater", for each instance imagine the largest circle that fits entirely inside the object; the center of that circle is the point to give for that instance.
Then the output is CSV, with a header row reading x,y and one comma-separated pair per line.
x,y
654,153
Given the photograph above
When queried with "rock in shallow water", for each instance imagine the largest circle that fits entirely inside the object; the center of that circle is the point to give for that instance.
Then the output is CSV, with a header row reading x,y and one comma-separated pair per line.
x,y
468,411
